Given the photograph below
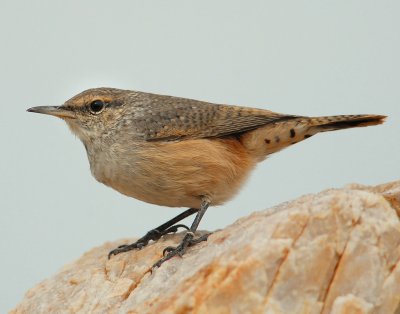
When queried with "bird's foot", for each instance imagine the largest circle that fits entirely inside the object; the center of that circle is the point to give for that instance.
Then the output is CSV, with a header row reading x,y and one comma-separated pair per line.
x,y
153,234
188,241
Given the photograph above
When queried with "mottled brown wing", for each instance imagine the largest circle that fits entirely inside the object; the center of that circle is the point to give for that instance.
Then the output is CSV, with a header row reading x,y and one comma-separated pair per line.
x,y
167,118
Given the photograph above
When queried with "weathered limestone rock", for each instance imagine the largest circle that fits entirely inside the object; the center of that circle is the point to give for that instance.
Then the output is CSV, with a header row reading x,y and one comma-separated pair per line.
x,y
334,252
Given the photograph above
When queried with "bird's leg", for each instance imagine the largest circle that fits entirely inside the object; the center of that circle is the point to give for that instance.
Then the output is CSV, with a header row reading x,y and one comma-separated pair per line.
x,y
155,234
189,239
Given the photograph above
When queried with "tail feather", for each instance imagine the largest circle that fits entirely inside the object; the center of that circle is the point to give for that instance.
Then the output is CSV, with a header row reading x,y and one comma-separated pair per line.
x,y
332,123
274,137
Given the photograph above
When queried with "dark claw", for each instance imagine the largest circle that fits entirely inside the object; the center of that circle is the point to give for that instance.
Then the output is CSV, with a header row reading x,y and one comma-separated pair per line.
x,y
116,251
167,250
181,249
174,228
153,235
199,239
139,244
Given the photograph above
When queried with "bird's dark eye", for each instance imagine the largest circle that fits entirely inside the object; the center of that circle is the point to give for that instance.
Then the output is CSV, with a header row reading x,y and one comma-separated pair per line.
x,y
96,106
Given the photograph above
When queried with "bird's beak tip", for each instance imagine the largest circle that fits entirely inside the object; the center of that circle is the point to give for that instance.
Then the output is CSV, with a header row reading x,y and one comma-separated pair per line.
x,y
43,109
53,111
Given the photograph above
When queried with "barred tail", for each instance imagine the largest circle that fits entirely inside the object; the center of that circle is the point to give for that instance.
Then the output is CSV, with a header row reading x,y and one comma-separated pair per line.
x,y
274,137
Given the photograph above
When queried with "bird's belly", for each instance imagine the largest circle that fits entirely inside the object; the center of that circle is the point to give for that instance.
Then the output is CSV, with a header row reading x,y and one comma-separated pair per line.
x,y
179,174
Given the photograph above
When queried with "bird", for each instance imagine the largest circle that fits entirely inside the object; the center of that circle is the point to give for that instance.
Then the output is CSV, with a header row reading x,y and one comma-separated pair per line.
x,y
179,152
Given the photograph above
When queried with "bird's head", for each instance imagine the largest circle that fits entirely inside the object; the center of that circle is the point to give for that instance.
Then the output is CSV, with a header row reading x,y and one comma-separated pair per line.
x,y
90,114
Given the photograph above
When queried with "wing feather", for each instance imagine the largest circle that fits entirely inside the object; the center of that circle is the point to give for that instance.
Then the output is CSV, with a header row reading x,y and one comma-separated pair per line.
x,y
166,118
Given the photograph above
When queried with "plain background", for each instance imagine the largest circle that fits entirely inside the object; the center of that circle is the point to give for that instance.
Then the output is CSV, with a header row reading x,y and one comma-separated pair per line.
x,y
298,57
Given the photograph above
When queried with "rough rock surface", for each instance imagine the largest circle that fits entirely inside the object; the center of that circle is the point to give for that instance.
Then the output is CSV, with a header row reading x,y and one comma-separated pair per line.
x,y
334,252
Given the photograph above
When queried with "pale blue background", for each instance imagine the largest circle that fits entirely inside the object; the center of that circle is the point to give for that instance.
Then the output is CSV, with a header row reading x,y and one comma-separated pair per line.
x,y
299,57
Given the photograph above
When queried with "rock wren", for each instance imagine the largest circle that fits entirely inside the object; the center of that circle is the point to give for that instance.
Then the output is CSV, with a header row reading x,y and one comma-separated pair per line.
x,y
179,152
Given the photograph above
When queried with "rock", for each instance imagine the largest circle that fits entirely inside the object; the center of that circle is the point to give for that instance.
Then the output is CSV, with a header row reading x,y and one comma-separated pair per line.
x,y
334,252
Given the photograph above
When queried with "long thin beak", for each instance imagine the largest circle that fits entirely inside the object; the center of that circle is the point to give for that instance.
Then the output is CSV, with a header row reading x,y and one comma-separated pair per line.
x,y
54,111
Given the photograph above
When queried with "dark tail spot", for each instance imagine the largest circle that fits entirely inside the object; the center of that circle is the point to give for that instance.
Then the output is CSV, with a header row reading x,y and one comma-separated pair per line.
x,y
307,135
277,139
267,141
292,133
